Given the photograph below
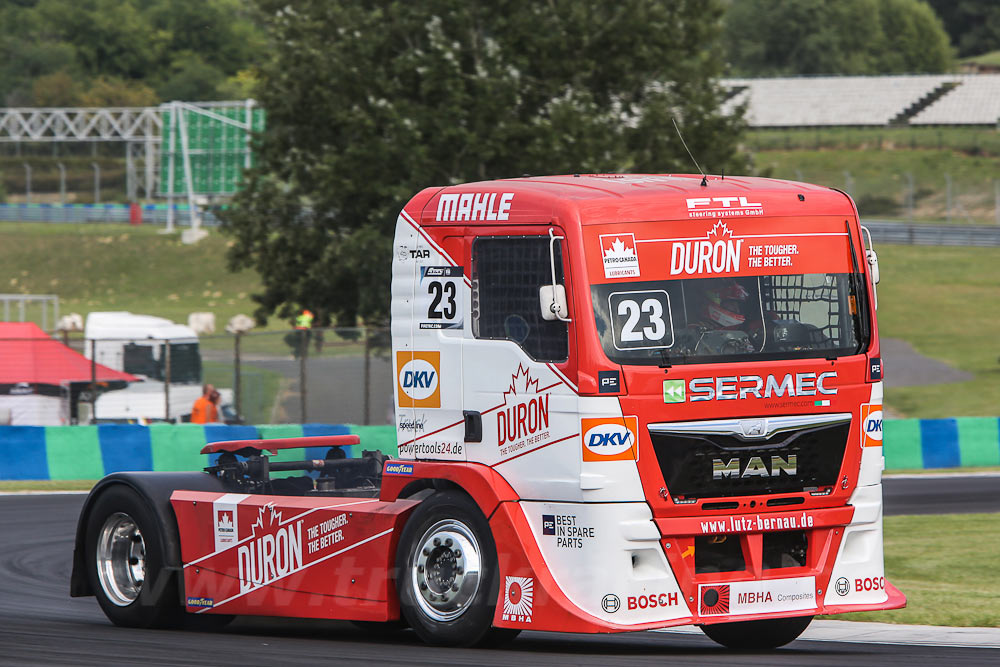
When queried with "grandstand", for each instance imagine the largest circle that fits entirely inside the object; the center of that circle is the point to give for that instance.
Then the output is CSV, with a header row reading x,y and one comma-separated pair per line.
x,y
866,101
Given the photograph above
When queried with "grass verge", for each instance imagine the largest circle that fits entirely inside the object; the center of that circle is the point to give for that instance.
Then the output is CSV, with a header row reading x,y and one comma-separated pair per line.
x,y
942,300
945,564
47,485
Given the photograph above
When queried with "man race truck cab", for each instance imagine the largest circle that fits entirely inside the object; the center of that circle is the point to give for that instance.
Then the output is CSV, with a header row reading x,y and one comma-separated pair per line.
x,y
623,402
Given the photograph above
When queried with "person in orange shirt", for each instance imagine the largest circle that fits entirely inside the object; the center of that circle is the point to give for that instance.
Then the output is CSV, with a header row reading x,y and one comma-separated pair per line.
x,y
205,409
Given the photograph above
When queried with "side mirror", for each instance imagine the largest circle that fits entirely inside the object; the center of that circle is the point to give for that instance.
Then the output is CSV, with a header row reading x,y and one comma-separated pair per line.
x,y
872,264
552,299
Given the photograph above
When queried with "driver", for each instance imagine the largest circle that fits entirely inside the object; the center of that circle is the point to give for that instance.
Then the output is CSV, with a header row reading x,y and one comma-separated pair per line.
x,y
725,304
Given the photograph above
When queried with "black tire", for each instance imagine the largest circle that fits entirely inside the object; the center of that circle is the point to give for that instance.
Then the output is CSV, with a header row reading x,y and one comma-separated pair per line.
x,y
757,635
125,560
465,558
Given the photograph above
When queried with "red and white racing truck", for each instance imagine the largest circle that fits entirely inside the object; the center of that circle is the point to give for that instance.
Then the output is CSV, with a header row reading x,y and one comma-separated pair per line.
x,y
623,402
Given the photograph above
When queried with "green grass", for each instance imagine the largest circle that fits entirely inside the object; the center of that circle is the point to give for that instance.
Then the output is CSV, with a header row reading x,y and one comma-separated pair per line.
x,y
47,485
878,179
991,58
943,301
946,566
118,267
970,140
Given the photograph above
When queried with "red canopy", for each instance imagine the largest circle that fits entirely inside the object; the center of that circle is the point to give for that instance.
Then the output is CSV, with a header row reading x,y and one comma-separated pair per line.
x,y
28,355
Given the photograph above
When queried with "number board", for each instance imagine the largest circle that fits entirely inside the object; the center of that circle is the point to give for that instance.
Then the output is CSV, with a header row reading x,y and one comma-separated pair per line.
x,y
439,297
641,320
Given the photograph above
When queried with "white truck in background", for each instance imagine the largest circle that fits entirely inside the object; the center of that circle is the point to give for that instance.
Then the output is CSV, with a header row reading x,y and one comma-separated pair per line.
x,y
142,345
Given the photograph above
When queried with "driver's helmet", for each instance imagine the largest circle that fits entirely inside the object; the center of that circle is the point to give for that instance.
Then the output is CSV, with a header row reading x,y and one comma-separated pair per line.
x,y
725,303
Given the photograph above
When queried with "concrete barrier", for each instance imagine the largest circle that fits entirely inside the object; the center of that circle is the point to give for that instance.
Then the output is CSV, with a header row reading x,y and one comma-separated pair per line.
x,y
90,452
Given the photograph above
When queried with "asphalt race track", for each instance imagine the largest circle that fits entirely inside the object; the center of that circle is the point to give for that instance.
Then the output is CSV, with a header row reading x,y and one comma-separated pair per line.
x,y
41,625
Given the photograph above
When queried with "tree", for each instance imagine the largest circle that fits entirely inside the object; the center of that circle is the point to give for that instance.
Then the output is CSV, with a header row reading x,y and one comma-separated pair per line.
x,y
368,102
782,37
974,25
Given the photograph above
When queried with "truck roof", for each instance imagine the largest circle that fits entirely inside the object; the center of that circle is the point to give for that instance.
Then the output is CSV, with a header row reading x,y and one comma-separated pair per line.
x,y
631,197
130,326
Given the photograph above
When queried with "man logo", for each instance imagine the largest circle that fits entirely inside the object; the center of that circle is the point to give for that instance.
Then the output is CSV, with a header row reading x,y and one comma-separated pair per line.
x,y
753,428
418,382
611,603
843,587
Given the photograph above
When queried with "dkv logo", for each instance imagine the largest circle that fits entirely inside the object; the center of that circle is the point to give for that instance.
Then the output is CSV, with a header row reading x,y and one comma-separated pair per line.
x,y
418,382
610,438
871,425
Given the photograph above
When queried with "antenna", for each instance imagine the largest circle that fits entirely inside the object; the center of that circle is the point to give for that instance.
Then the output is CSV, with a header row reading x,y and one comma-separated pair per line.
x,y
704,178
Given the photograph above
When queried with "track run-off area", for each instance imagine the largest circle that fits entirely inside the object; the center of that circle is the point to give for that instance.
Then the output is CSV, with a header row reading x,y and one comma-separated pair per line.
x,y
41,625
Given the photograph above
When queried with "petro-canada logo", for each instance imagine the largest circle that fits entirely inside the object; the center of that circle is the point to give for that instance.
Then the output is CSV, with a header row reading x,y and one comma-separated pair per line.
x,y
719,252
523,420
518,598
619,256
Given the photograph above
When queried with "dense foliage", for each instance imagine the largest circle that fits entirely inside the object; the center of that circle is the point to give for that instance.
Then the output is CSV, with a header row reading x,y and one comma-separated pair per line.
x,y
125,52
369,102
789,37
974,25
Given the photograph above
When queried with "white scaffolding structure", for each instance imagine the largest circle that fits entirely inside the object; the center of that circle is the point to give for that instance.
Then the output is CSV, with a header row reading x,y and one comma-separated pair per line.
x,y
142,129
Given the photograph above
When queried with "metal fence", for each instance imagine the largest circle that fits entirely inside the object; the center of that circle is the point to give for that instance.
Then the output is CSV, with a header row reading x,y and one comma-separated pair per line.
x,y
155,214
335,375
907,233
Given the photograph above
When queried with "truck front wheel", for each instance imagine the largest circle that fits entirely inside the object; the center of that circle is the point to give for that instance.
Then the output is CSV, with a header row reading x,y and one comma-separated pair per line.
x,y
764,634
447,574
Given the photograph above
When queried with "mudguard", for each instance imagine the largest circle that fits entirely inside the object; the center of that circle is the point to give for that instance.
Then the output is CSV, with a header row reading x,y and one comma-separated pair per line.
x,y
155,489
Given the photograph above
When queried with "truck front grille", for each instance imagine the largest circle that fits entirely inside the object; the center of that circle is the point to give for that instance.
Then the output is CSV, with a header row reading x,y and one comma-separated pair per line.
x,y
717,459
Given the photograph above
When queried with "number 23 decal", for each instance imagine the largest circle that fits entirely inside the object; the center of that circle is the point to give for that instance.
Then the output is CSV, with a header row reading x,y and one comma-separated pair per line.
x,y
443,304
641,320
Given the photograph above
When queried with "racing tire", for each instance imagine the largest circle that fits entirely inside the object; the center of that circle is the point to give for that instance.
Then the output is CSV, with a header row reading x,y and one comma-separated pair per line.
x,y
125,560
447,573
757,635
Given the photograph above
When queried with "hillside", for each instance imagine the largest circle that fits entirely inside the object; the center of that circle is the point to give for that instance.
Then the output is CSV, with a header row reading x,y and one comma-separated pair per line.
x,y
940,300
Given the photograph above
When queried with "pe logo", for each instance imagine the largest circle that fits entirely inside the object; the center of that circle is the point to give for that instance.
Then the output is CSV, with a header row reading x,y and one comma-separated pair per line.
x,y
610,438
673,391
418,382
871,425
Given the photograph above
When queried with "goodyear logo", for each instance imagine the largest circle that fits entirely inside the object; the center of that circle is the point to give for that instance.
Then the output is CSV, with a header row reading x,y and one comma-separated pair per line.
x,y
398,469
203,603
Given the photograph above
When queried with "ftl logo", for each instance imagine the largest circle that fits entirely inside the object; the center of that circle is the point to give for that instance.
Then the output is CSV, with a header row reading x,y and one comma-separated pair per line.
x,y
618,253
723,207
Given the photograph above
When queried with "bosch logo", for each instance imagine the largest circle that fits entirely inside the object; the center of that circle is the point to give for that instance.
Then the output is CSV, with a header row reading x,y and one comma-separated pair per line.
x,y
611,603
843,587
869,584
652,601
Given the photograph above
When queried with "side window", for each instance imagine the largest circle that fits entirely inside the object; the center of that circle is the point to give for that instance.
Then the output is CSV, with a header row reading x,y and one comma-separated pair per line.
x,y
507,272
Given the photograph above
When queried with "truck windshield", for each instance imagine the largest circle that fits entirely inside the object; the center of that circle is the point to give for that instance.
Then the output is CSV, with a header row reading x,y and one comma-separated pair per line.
x,y
738,318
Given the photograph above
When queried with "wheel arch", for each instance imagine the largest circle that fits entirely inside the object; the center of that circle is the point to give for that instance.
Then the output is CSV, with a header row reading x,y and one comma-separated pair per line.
x,y
154,489
483,484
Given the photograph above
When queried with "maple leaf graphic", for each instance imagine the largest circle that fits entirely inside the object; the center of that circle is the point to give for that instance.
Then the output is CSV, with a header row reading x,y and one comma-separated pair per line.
x,y
226,520
720,232
618,249
273,519
521,383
